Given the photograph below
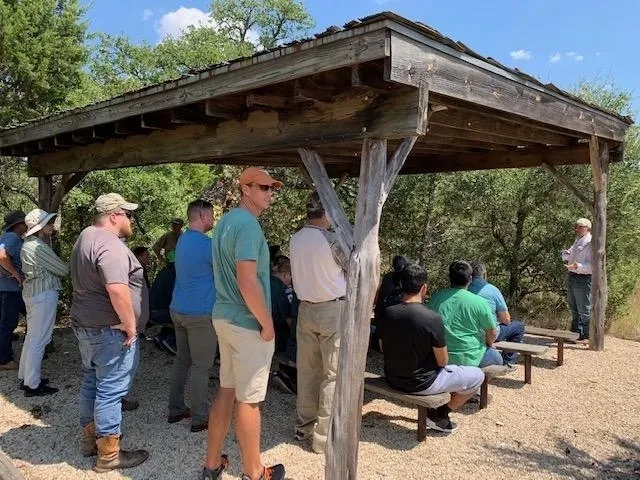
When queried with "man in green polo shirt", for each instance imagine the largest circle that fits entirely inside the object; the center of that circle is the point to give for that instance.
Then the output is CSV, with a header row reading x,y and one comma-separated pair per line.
x,y
470,325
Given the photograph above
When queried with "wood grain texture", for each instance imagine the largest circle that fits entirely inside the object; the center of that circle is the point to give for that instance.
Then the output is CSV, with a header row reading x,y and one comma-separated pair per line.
x,y
600,172
355,114
414,63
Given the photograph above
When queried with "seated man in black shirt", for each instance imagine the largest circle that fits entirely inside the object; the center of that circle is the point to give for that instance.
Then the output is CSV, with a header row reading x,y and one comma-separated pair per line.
x,y
415,353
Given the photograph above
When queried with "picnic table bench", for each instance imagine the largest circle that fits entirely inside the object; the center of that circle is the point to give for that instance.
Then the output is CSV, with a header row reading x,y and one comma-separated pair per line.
x,y
524,349
377,384
490,372
560,336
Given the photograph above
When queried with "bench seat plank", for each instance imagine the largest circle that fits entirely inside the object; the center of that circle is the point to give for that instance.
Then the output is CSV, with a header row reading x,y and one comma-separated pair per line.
x,y
547,332
525,348
377,384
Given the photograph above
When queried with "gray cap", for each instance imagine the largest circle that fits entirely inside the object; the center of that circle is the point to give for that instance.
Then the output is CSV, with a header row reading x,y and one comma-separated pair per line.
x,y
109,202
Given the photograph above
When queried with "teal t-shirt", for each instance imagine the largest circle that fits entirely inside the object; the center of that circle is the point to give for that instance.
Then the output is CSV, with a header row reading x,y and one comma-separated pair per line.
x,y
238,237
466,316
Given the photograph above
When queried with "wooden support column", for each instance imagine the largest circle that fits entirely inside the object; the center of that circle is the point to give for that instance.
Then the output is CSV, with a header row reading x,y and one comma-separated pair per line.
x,y
45,192
377,176
599,154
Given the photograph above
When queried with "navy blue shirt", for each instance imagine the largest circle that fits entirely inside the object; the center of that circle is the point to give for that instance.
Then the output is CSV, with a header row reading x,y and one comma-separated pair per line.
x,y
11,243
194,292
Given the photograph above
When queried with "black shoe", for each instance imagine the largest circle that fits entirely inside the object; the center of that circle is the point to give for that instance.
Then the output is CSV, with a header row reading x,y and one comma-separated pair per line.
x,y
15,337
199,428
275,472
41,391
283,382
208,474
169,345
43,382
444,425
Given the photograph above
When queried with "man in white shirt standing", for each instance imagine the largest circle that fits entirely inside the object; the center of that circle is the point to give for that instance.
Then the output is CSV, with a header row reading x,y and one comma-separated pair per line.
x,y
318,267
577,260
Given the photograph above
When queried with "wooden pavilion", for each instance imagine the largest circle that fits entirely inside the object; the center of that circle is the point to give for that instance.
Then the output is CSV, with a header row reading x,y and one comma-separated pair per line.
x,y
336,104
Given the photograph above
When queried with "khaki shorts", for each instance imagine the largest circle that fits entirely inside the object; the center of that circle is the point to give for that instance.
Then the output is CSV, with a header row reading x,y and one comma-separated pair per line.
x,y
245,359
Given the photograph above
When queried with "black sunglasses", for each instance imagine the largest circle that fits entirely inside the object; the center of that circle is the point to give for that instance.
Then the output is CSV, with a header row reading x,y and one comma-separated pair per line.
x,y
265,188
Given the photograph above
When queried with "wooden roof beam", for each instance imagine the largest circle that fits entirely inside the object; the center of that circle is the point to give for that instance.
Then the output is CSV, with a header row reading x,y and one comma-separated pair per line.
x,y
357,115
415,63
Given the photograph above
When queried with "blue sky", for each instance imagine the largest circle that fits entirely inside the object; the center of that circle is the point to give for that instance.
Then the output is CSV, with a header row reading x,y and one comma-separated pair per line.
x,y
560,41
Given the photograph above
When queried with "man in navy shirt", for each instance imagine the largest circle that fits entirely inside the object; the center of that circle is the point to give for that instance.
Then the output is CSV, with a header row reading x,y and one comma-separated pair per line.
x,y
509,330
10,284
194,294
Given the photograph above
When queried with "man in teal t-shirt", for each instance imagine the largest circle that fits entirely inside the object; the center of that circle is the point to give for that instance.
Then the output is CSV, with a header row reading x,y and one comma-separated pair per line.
x,y
470,325
242,319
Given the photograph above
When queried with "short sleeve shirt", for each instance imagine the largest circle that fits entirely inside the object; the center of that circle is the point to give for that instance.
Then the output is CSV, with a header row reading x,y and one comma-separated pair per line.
x,y
98,258
490,293
12,244
409,333
238,237
466,318
194,292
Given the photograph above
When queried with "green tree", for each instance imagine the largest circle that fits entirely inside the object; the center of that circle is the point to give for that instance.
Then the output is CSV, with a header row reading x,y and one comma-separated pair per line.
x,y
42,51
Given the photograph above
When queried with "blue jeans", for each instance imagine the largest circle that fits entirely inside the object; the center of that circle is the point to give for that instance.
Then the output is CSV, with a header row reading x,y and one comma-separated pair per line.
x,y
491,357
579,297
10,306
511,333
109,369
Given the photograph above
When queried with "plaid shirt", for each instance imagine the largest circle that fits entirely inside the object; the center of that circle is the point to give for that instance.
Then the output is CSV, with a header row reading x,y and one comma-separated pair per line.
x,y
43,270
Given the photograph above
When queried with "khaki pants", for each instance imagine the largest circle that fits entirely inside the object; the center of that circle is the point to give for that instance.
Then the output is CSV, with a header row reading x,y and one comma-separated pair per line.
x,y
318,339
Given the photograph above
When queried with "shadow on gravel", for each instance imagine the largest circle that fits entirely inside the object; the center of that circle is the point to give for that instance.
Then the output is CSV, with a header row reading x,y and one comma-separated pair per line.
x,y
571,462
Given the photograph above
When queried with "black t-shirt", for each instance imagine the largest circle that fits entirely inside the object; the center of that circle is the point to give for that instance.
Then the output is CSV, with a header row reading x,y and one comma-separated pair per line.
x,y
409,332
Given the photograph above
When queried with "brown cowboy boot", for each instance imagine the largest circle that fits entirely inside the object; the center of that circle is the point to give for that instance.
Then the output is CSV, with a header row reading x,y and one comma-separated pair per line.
x,y
89,447
110,457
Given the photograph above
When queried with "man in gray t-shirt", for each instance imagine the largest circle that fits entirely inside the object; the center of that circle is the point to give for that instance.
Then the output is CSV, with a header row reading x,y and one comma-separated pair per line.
x,y
110,306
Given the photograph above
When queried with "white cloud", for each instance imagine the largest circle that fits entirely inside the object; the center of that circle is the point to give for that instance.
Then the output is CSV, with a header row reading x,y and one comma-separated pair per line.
x,y
521,54
571,54
598,54
578,58
175,23
147,14
556,57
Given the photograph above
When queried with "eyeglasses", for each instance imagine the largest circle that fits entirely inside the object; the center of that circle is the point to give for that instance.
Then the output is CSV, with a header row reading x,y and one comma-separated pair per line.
x,y
265,188
126,213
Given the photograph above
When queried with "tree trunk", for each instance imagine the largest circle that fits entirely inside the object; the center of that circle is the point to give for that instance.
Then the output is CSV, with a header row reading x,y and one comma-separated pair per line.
x,y
599,152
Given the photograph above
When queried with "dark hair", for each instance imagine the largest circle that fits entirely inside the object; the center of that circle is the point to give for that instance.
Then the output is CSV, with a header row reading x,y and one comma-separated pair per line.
x,y
479,270
282,264
196,206
460,273
399,262
274,253
412,278
139,250
314,206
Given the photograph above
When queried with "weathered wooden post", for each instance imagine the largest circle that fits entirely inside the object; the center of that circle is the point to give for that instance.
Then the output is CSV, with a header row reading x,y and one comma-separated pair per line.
x,y
599,155
377,176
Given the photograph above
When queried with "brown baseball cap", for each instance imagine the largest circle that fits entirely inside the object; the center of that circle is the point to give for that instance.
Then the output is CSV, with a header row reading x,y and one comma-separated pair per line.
x,y
258,175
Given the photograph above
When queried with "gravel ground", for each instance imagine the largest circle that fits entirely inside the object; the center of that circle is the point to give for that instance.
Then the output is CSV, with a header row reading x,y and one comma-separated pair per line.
x,y
578,421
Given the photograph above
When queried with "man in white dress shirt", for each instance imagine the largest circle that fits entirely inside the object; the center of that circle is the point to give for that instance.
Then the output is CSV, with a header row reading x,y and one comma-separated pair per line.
x,y
577,260
318,267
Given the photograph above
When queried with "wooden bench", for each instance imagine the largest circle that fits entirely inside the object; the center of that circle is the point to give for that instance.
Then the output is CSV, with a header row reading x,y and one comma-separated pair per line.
x,y
524,349
490,372
560,336
377,384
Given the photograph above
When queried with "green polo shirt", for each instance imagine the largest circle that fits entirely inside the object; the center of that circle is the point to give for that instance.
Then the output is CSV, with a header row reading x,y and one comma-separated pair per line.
x,y
237,237
466,317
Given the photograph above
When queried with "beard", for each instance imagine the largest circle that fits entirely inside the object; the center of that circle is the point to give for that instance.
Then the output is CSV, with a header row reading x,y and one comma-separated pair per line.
x,y
126,231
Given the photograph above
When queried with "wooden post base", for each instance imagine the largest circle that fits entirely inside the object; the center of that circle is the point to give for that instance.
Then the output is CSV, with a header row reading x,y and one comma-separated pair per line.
x,y
560,352
484,393
527,368
422,423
